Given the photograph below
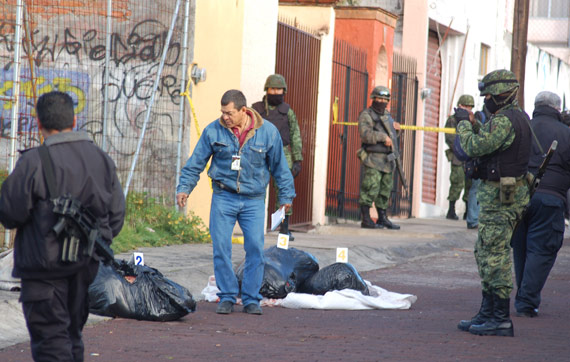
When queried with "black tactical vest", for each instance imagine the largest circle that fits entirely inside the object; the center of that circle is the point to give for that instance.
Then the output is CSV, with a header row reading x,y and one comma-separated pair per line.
x,y
512,162
277,116
378,147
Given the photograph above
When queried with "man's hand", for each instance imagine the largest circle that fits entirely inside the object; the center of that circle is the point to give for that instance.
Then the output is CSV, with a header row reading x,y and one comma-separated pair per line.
x,y
461,115
287,207
296,169
181,199
396,126
388,142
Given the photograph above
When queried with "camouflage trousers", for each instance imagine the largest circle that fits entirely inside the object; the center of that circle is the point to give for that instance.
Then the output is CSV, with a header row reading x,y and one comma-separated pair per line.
x,y
492,249
375,188
456,182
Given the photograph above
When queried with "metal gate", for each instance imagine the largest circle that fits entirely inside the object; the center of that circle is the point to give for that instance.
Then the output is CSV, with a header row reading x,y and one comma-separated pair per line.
x,y
403,107
349,98
298,54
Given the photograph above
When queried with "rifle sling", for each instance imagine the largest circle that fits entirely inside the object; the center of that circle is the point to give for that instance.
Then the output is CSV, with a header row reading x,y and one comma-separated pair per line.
x,y
48,170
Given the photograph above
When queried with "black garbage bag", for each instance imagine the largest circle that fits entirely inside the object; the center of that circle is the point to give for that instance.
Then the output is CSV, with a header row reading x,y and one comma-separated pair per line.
x,y
336,276
150,296
285,270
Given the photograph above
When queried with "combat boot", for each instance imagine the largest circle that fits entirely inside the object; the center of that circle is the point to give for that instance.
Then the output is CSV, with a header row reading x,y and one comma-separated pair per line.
x,y
284,228
451,215
367,222
485,313
384,220
500,324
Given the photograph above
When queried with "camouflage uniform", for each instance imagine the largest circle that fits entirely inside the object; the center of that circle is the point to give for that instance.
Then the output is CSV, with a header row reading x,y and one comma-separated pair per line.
x,y
496,219
378,171
457,175
375,126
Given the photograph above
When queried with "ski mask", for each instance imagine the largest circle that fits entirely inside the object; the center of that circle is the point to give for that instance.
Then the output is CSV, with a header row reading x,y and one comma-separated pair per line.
x,y
275,99
494,103
379,107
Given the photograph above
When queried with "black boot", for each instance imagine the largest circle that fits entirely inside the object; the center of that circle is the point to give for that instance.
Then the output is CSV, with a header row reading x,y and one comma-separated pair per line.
x,y
451,212
500,324
284,228
466,208
384,219
485,313
367,222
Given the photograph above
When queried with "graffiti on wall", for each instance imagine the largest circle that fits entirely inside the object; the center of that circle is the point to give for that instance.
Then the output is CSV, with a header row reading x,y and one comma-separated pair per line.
x,y
73,83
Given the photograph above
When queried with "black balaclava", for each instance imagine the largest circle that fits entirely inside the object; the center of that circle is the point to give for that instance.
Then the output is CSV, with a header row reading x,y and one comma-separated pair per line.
x,y
379,107
494,103
275,99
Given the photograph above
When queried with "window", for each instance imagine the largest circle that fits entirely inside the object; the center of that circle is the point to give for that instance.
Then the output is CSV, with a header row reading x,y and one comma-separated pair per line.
x,y
550,8
483,60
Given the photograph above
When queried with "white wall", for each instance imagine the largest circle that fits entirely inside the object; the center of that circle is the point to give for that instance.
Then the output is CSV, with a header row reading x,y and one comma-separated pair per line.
x,y
259,46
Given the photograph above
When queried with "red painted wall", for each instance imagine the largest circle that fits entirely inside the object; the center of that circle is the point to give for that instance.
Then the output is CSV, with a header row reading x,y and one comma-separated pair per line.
x,y
369,35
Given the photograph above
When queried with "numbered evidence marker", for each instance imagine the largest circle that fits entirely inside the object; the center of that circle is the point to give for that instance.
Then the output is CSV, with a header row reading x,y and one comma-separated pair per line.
x,y
342,255
138,258
283,241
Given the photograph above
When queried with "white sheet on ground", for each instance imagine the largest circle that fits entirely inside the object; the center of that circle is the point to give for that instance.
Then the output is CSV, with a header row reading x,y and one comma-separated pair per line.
x,y
347,299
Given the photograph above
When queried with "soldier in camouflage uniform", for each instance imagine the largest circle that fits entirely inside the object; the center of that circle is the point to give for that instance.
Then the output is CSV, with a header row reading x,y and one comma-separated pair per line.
x,y
377,131
457,175
502,147
273,108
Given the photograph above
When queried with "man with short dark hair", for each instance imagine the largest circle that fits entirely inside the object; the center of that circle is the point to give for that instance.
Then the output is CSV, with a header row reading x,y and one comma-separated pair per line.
x,y
539,235
244,150
54,291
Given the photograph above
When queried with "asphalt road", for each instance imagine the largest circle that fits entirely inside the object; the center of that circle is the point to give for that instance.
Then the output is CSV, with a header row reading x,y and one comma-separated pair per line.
x,y
447,286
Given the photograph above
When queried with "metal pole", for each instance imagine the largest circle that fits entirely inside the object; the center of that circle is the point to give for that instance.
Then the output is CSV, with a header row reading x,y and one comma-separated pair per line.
x,y
154,88
344,138
182,89
15,96
106,85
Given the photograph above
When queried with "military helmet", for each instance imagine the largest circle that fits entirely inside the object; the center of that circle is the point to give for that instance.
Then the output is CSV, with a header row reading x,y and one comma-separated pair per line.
x,y
380,92
276,81
498,82
466,100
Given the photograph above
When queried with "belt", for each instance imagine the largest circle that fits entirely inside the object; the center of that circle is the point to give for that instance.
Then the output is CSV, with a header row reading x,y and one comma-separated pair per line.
x,y
520,181
224,187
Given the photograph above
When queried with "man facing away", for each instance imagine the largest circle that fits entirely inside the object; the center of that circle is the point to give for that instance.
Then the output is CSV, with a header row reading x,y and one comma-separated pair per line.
x,y
244,150
502,146
539,235
54,292
274,109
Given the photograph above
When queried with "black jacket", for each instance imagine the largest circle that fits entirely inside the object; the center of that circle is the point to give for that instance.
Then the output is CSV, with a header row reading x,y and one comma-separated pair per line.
x,y
81,169
547,127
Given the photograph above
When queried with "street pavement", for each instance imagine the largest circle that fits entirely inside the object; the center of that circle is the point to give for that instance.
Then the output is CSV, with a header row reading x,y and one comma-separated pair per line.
x,y
425,257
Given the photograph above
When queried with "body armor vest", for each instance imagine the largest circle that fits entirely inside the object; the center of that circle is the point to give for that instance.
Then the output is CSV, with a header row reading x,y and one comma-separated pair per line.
x,y
277,116
512,162
378,147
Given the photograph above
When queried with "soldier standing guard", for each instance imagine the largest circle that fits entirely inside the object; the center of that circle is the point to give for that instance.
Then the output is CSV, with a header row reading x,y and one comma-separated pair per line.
x,y
273,108
502,146
377,131
457,176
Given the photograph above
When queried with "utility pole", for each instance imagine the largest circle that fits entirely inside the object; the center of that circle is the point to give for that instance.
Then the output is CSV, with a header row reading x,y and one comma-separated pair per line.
x,y
518,52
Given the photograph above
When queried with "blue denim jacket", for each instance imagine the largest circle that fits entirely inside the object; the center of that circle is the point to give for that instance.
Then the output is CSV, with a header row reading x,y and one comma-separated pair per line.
x,y
261,154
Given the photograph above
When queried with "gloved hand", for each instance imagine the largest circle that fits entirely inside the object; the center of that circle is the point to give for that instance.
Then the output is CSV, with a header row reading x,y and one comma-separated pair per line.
x,y
296,169
461,115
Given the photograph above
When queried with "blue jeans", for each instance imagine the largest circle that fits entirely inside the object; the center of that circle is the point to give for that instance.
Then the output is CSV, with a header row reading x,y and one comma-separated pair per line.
x,y
473,206
227,208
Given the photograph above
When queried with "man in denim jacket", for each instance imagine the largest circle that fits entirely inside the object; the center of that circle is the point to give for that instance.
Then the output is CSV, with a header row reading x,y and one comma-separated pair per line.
x,y
244,149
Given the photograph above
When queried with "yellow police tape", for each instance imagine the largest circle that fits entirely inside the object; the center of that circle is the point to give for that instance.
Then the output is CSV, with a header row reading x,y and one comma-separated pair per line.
x,y
408,127
427,129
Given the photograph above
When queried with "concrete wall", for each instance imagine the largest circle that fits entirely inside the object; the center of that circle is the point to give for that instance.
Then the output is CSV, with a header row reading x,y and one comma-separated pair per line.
x,y
322,19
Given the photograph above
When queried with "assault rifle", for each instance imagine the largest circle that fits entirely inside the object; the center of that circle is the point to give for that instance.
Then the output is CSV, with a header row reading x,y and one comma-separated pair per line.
x,y
535,181
79,224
